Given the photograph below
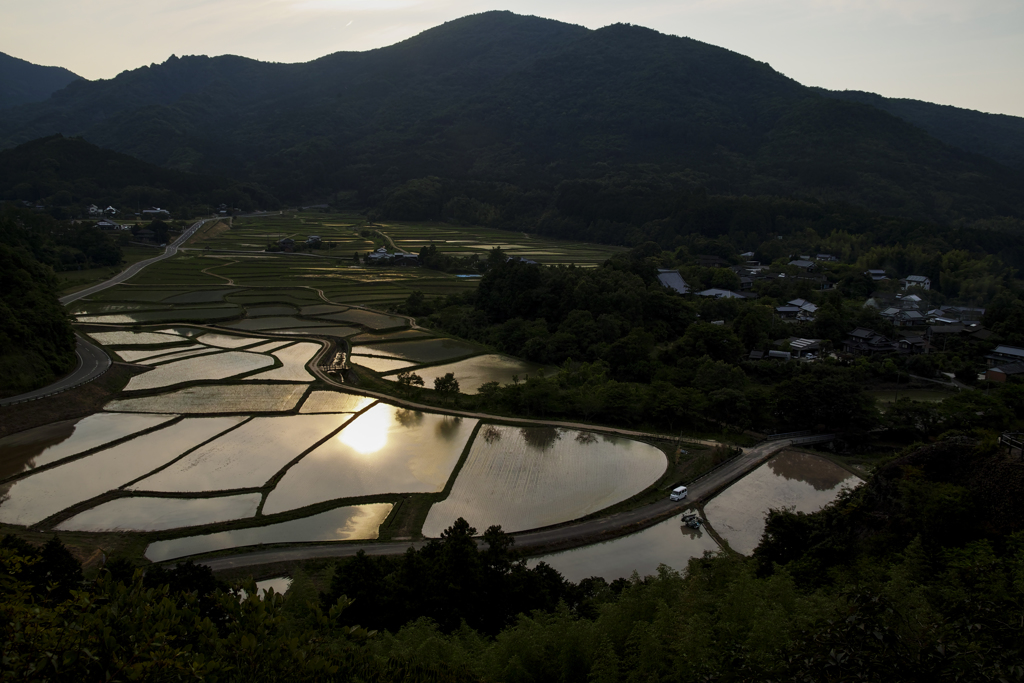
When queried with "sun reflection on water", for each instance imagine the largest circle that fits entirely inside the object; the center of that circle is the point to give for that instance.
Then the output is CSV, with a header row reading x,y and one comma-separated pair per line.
x,y
368,433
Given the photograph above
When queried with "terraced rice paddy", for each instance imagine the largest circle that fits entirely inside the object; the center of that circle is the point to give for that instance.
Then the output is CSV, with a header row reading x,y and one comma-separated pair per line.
x,y
124,338
335,331
210,313
136,355
257,311
669,543
384,450
322,309
247,457
800,481
356,522
524,478
428,351
42,494
228,341
201,296
227,398
380,364
374,321
218,366
293,368
370,338
156,514
473,373
334,402
169,357
276,323
45,445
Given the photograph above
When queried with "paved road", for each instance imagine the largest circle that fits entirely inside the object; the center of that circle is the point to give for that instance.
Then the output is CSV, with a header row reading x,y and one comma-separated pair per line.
x,y
93,361
570,535
134,269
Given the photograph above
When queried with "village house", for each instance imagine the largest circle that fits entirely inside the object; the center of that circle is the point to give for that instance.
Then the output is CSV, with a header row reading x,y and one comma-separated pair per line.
x,y
1002,373
916,281
876,274
673,280
1003,355
865,342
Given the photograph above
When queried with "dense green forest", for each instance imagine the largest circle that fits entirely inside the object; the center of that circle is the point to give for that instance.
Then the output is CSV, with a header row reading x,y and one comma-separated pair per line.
x,y
22,82
915,576
522,103
996,136
66,175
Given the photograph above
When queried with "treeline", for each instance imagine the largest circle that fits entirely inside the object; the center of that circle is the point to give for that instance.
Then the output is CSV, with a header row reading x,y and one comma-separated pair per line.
x,y
37,343
914,576
66,175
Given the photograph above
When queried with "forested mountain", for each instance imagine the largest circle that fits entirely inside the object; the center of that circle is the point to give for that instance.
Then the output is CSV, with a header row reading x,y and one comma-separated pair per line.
x,y
997,136
514,105
22,82
65,172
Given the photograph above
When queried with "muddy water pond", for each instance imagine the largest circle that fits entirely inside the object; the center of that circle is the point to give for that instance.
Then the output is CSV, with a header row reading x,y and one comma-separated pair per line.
x,y
356,522
801,481
668,543
530,477
44,445
384,450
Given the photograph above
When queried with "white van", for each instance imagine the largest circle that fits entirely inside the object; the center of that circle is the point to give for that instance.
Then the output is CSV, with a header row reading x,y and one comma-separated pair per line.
x,y
678,493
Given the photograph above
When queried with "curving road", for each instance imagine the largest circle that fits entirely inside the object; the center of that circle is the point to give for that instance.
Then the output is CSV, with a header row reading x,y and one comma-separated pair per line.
x,y
93,361
567,536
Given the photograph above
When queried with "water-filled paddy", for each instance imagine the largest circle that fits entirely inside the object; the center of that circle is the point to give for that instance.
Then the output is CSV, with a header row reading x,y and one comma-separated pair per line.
x,y
331,331
270,346
427,351
142,513
227,341
170,357
529,477
246,457
217,366
136,355
201,296
36,497
227,398
381,364
370,338
280,309
473,373
293,368
801,481
125,338
384,450
279,584
357,522
334,402
374,321
276,322
323,309
668,543
44,445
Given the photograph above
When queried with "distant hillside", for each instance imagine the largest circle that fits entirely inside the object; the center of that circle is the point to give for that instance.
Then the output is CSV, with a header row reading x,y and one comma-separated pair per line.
x,y
22,82
497,100
59,172
996,136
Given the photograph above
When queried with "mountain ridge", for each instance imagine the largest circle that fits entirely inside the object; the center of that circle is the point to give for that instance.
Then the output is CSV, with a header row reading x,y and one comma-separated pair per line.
x,y
502,98
22,82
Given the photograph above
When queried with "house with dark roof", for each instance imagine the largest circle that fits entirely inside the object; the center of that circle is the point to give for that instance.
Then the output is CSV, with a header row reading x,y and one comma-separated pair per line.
x,y
916,281
673,280
876,274
1005,354
803,264
716,293
1001,373
865,342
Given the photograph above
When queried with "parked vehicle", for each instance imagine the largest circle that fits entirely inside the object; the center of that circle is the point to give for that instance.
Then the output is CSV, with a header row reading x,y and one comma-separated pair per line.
x,y
678,493
691,519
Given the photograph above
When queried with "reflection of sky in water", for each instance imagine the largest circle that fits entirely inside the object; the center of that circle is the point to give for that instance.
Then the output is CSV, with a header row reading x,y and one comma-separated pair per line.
x,y
668,543
800,481
384,450
156,514
340,524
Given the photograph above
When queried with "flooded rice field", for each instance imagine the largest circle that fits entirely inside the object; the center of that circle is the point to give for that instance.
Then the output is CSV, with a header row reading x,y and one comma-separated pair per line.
x,y
143,513
323,309
279,584
356,522
270,346
428,351
331,331
529,477
136,355
225,398
42,494
669,543
382,364
228,341
280,309
168,357
473,373
801,481
276,323
370,338
374,321
247,457
217,366
124,338
334,402
44,445
384,450
293,368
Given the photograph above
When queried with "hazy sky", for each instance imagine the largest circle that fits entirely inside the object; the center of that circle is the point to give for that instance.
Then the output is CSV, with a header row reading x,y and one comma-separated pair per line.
x,y
968,53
